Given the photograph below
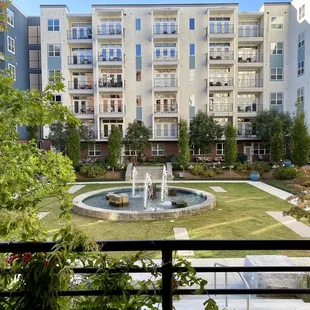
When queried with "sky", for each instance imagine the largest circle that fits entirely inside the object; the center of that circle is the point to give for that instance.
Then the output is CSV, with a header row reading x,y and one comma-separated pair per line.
x,y
32,7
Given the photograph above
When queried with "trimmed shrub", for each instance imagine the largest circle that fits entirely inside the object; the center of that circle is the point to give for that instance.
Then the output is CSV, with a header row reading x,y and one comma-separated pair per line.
x,y
260,166
241,168
242,158
208,173
92,171
198,169
285,173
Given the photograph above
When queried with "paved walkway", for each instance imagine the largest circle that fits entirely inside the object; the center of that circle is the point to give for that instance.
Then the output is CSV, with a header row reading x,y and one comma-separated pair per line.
x,y
182,234
73,189
218,189
42,215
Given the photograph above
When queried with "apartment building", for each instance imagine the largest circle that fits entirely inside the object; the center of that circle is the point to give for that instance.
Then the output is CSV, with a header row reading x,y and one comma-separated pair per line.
x,y
158,63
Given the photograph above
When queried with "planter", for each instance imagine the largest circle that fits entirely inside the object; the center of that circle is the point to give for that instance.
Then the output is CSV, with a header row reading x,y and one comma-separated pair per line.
x,y
254,176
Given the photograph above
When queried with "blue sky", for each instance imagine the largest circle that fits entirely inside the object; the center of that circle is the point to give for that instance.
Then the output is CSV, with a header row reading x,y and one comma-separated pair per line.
x,y
31,7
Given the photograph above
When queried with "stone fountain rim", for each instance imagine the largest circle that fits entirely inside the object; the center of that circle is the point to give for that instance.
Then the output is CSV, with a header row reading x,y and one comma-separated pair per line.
x,y
124,215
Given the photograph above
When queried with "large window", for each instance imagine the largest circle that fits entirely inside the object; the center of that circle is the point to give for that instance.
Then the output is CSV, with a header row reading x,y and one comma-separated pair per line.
x,y
10,17
192,50
35,81
52,73
53,25
259,149
277,48
276,99
11,45
276,74
34,59
300,95
13,71
56,98
192,24
94,150
301,39
157,149
219,148
54,50
277,22
34,35
301,68
301,12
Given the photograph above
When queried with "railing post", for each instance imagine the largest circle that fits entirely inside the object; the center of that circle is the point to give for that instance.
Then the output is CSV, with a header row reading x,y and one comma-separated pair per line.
x,y
167,283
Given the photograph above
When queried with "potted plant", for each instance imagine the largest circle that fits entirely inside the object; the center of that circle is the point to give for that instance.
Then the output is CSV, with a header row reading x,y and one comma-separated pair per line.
x,y
254,176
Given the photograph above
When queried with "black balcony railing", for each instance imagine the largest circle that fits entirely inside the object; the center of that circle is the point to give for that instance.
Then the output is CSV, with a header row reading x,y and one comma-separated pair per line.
x,y
80,60
79,34
165,82
220,28
249,83
220,82
105,57
80,85
246,58
167,268
166,108
115,29
88,109
110,83
250,31
214,55
165,28
166,55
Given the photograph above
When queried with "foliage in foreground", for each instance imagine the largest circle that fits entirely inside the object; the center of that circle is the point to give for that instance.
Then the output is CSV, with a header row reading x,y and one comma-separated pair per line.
x,y
183,144
115,145
277,141
230,145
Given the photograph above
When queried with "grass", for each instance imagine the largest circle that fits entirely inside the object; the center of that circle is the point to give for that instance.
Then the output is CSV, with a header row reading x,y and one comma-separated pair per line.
x,y
281,184
240,214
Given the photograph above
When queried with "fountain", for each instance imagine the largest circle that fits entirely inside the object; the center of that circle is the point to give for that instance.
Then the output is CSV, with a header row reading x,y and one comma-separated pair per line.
x,y
134,175
164,185
148,190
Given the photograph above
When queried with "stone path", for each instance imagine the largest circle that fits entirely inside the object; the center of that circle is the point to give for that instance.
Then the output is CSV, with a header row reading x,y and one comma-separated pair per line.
x,y
218,189
42,214
299,228
73,189
182,234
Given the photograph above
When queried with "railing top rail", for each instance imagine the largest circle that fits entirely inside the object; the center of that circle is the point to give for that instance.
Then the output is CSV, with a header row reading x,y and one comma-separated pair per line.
x,y
173,245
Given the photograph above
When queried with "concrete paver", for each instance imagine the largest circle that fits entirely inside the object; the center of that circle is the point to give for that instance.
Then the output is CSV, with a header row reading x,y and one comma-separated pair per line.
x,y
73,189
42,214
218,189
182,234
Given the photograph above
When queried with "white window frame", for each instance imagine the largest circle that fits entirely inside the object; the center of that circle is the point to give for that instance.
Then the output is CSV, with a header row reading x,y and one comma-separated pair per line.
x,y
10,18
220,151
301,40
278,50
13,72
276,74
55,98
300,95
276,26
301,68
53,52
53,25
11,47
158,149
301,12
277,100
94,150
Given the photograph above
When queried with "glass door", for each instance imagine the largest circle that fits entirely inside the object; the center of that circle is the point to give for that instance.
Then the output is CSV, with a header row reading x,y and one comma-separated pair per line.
x,y
248,152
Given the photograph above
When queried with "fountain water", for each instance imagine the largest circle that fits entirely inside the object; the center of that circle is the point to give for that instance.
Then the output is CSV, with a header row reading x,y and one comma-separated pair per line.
x,y
148,190
164,185
134,175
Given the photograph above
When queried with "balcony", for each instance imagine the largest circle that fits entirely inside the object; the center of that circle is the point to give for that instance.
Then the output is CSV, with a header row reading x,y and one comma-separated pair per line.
x,y
165,30
80,62
214,57
112,107
250,33
105,85
114,31
221,107
169,57
249,108
220,83
226,30
250,60
165,134
166,108
104,134
80,87
165,84
251,84
246,133
80,36
110,60
82,110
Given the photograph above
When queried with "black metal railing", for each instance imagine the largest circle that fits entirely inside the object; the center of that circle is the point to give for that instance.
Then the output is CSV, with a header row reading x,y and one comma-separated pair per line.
x,y
105,57
166,55
246,58
88,109
249,83
80,60
165,82
80,85
223,28
80,34
110,83
220,82
166,108
165,28
252,32
214,55
167,268
115,29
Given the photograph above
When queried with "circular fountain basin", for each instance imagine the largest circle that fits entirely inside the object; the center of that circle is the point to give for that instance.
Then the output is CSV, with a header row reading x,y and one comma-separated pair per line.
x,y
94,204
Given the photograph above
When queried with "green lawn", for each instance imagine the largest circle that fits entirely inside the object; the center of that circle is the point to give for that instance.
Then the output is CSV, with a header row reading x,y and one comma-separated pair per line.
x,y
240,214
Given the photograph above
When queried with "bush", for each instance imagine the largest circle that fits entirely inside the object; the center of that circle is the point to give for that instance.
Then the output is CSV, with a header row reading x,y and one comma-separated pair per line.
x,y
285,173
260,167
176,163
241,168
171,158
92,171
198,169
208,173
242,158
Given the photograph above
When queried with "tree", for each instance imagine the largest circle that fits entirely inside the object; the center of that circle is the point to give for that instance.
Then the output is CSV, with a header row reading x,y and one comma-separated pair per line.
x,y
230,145
73,144
277,141
137,137
115,144
204,131
300,141
183,144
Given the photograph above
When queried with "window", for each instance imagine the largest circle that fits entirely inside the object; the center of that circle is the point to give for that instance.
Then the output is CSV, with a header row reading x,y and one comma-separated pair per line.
x,y
277,22
11,45
52,73
56,98
53,24
192,24
139,101
35,81
301,40
34,35
10,17
301,12
138,50
192,75
138,75
157,149
277,48
13,71
301,67
219,148
54,50
138,23
94,150
276,98
258,149
276,74
300,95
192,50
34,59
